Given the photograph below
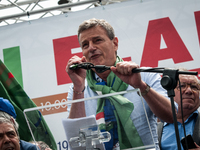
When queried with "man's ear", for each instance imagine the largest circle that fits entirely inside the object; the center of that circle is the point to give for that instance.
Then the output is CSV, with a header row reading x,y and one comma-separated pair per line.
x,y
115,42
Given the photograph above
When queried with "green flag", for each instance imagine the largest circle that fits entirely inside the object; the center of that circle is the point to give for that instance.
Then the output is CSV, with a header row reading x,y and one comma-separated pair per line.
x,y
10,89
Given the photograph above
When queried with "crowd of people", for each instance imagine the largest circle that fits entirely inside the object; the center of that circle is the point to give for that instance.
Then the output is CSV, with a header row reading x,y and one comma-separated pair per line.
x,y
9,135
123,115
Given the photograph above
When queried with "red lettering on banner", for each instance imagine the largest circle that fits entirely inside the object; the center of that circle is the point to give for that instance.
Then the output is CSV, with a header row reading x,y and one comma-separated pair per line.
x,y
175,47
197,19
127,58
62,53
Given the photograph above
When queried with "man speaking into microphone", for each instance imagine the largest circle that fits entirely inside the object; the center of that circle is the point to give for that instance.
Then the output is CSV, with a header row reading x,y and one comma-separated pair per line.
x,y
99,47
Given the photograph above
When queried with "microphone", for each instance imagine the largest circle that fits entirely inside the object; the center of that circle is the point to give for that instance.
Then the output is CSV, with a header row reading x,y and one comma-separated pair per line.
x,y
102,68
73,67
87,66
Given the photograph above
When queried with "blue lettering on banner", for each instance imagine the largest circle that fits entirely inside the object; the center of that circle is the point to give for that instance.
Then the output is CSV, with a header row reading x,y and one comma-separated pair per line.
x,y
63,145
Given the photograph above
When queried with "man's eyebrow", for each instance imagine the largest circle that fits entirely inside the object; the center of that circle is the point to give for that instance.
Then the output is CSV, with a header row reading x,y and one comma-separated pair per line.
x,y
11,131
7,132
96,37
83,41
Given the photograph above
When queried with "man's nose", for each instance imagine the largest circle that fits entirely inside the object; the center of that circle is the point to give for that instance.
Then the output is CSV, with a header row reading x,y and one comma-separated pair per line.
x,y
188,89
6,139
92,46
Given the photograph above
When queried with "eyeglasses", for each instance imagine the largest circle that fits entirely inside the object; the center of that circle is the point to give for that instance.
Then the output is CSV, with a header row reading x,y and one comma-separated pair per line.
x,y
184,86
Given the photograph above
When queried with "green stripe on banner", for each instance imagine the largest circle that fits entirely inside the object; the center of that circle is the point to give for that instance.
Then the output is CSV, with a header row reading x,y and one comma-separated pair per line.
x,y
12,61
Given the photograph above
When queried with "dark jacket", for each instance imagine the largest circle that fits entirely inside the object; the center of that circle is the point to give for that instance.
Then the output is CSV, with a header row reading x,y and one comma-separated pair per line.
x,y
27,146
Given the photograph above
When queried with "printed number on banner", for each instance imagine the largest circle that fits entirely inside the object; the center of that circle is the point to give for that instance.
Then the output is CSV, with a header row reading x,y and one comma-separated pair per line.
x,y
63,145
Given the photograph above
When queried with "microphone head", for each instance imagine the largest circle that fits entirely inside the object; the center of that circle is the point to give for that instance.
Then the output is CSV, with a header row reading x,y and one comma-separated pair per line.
x,y
73,67
84,65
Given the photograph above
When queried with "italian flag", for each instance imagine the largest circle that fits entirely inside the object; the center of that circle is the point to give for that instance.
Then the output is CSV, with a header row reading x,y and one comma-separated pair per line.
x,y
100,118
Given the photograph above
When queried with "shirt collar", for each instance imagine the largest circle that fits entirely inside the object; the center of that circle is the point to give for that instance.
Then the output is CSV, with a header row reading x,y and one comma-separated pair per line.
x,y
98,79
195,114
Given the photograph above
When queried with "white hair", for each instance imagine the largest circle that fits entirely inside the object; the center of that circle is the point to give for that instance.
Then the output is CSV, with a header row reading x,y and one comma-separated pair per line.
x,y
6,118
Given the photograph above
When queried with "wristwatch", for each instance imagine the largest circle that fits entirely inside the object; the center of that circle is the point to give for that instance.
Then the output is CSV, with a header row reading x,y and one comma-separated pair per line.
x,y
145,91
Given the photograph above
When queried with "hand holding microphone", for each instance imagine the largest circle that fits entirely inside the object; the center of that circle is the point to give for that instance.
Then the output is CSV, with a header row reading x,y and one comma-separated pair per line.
x,y
102,68
87,66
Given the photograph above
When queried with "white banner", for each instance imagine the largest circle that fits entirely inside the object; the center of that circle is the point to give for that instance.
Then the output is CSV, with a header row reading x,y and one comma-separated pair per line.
x,y
156,33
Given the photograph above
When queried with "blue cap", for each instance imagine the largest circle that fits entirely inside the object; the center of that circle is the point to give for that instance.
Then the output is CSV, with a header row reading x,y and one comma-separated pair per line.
x,y
7,107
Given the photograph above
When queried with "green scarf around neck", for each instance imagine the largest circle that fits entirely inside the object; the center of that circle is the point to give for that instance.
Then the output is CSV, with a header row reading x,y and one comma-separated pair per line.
x,y
127,133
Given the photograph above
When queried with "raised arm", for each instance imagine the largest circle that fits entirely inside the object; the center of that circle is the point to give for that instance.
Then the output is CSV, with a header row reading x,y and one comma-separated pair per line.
x,y
159,105
78,79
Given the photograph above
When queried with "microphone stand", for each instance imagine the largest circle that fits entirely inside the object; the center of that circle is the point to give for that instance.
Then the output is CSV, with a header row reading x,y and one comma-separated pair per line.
x,y
168,81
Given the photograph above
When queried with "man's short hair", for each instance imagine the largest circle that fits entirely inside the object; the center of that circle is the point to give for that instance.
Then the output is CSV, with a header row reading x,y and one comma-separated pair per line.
x,y
97,22
184,69
43,145
6,118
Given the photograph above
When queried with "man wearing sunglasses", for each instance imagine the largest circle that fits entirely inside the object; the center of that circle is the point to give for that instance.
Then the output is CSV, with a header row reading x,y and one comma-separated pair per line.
x,y
188,88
